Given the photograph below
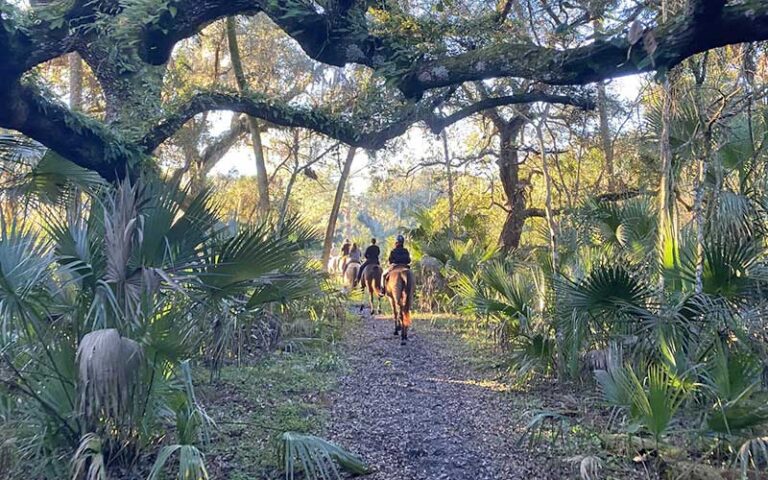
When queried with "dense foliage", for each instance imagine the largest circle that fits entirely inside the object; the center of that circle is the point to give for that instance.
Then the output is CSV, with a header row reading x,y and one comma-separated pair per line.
x,y
604,233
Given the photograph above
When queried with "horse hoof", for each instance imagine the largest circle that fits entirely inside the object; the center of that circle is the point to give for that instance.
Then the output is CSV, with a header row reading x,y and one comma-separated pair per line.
x,y
403,342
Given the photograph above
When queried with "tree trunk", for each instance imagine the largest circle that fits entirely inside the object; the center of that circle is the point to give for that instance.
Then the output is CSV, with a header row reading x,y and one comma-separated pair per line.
x,y
331,228
668,222
509,173
605,135
294,173
133,97
348,213
703,158
449,174
602,110
284,206
548,188
253,123
75,82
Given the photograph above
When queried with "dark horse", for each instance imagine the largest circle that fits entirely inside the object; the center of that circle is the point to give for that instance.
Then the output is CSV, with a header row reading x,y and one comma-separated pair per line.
x,y
400,286
371,282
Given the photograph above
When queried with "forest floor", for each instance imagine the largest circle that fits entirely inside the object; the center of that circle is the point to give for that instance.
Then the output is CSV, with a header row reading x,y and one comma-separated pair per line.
x,y
441,407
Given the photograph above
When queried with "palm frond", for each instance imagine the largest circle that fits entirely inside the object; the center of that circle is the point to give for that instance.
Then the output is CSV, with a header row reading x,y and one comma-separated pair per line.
x,y
25,259
108,371
317,458
248,255
88,462
753,454
606,291
191,463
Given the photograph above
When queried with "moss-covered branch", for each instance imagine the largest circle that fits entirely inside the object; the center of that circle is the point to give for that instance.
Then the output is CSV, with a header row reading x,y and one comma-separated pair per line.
x,y
78,138
660,49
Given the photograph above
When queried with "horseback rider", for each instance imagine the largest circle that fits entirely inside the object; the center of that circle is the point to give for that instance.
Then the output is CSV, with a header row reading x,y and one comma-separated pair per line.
x,y
398,257
371,258
345,247
352,257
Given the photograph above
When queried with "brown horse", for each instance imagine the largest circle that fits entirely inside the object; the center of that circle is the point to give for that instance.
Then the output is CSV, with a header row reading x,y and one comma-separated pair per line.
x,y
400,285
371,281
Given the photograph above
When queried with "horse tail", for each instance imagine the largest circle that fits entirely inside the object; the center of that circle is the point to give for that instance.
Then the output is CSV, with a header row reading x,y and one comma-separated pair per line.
x,y
408,289
406,296
377,272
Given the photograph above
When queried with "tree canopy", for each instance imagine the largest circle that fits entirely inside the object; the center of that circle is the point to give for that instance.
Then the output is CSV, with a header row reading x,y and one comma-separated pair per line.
x,y
419,55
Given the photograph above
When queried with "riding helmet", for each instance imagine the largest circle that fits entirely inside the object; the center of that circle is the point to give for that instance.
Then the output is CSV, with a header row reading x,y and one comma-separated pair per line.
x,y
400,239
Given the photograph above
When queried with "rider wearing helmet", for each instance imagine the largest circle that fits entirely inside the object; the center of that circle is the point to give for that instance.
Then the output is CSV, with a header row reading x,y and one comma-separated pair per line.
x,y
399,256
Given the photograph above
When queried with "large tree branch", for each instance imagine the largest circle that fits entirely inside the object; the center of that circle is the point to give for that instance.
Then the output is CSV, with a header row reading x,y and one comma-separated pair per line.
x,y
214,152
438,123
74,136
337,37
257,106
344,129
679,39
43,34
340,38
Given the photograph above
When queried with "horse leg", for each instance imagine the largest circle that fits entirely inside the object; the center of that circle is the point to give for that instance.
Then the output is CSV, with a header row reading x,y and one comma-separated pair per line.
x,y
406,324
394,313
370,299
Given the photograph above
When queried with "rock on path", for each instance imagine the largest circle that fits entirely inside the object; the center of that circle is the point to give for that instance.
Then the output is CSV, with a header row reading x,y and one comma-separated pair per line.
x,y
419,412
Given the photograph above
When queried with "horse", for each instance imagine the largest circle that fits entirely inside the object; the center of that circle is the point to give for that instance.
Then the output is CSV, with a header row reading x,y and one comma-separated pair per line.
x,y
371,281
333,264
350,274
400,286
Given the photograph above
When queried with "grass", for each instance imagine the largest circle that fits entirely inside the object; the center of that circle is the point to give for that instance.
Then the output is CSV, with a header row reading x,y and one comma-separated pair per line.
x,y
254,404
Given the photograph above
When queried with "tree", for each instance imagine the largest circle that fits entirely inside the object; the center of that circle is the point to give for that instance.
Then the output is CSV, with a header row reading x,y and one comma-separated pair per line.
x,y
253,123
128,49
330,230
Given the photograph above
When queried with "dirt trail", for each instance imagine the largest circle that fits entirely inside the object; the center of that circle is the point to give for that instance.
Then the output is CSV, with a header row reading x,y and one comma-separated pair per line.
x,y
420,412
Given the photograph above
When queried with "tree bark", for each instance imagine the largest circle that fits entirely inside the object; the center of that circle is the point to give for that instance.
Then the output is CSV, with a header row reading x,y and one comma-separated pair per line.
x,y
291,181
449,174
133,97
253,123
703,160
605,135
509,174
548,188
668,222
75,82
340,188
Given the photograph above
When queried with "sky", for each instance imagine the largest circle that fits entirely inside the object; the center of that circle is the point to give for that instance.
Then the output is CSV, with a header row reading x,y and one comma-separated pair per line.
x,y
239,160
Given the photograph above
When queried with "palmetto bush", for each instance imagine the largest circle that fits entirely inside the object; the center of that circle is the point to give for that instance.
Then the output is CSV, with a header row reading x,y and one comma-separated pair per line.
x,y
102,298
511,298
667,357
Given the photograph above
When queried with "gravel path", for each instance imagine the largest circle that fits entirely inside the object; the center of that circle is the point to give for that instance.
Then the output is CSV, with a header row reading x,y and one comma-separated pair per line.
x,y
419,412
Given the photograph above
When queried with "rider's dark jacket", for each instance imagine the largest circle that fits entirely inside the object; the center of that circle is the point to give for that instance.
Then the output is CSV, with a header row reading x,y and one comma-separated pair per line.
x,y
399,256
372,254
345,249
